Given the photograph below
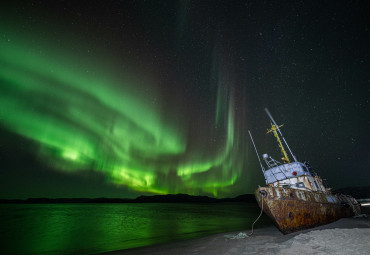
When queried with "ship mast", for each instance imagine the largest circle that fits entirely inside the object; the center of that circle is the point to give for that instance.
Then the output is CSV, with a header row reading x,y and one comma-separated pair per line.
x,y
277,128
274,131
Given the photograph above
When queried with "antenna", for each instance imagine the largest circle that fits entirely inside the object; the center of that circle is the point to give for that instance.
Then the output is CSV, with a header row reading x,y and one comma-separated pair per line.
x,y
277,127
263,169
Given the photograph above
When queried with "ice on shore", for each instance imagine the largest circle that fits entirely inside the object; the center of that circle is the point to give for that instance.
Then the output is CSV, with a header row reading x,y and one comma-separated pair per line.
x,y
241,235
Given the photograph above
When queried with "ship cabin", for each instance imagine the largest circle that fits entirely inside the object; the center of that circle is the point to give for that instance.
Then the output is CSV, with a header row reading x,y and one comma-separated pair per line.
x,y
295,175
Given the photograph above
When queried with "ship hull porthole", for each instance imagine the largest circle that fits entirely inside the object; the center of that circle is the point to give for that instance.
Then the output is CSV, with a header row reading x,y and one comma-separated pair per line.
x,y
290,215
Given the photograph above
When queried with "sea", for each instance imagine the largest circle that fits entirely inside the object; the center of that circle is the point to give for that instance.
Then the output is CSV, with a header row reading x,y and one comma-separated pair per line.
x,y
96,228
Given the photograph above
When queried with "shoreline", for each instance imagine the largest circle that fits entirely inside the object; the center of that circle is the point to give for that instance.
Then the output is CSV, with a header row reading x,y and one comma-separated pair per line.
x,y
344,236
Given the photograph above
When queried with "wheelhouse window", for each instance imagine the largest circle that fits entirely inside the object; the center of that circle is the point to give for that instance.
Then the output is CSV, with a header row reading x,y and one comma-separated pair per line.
x,y
300,185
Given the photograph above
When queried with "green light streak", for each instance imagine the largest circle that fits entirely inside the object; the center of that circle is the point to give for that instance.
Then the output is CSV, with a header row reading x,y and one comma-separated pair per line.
x,y
95,120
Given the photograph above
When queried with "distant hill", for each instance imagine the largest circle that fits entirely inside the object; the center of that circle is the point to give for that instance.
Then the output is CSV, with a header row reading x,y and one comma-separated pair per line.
x,y
183,198
356,192
178,198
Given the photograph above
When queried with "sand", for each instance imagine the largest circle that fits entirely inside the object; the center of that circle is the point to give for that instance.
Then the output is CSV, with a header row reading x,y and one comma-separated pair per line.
x,y
346,236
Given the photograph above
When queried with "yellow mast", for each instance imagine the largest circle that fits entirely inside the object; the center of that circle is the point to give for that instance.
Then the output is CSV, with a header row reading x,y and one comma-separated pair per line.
x,y
274,131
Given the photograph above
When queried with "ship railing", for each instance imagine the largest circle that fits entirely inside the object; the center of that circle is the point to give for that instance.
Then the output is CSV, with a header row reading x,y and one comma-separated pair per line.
x,y
292,186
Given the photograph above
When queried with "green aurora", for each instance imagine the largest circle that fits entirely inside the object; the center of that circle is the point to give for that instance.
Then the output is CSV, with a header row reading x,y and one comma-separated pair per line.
x,y
90,120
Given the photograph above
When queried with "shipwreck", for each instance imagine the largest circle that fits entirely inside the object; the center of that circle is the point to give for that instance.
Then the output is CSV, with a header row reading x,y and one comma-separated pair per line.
x,y
295,197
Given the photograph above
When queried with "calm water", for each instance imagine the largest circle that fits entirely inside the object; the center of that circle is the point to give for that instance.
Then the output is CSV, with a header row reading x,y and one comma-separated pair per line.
x,y
94,228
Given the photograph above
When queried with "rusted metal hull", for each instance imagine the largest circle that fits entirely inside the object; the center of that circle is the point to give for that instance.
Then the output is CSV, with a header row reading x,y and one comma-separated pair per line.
x,y
294,210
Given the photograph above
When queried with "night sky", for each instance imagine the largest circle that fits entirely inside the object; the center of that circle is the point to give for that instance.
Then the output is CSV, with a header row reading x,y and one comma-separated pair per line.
x,y
124,98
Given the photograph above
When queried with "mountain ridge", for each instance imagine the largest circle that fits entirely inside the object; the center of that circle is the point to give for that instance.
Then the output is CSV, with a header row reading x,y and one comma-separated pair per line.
x,y
170,198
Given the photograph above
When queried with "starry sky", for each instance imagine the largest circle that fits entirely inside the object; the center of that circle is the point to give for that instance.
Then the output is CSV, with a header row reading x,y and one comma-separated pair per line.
x,y
125,98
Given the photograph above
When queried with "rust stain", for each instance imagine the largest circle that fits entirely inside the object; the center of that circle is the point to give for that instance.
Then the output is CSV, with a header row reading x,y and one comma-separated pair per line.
x,y
293,210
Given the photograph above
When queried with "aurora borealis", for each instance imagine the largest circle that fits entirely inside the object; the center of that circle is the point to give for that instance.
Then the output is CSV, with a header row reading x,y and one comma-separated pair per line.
x,y
139,97
84,122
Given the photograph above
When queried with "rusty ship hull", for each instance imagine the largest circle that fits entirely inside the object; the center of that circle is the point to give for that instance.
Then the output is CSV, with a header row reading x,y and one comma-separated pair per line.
x,y
294,209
